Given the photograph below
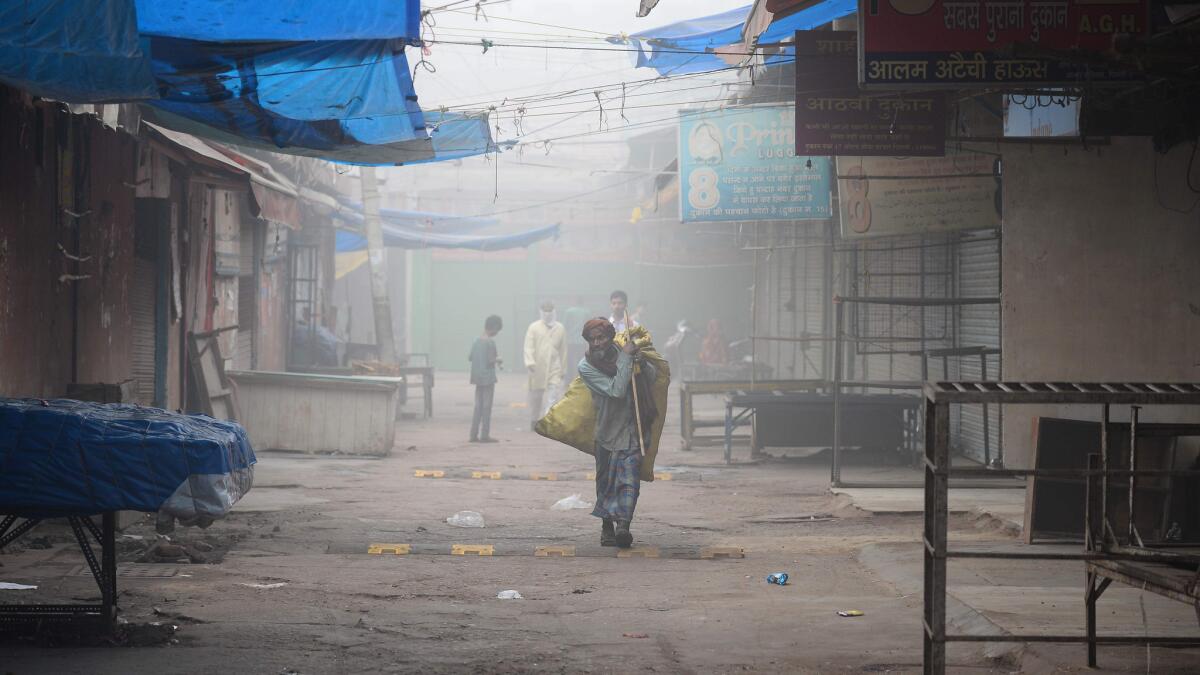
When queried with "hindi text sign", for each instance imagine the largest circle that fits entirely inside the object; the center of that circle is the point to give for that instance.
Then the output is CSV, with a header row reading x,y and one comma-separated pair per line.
x,y
889,196
909,43
741,164
834,118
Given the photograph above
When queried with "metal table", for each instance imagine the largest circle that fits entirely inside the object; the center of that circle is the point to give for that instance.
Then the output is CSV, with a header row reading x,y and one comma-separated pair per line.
x,y
102,616
806,419
426,373
689,389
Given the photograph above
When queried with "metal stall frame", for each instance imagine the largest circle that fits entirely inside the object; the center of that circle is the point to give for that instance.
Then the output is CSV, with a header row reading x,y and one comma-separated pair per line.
x,y
838,384
1102,548
104,570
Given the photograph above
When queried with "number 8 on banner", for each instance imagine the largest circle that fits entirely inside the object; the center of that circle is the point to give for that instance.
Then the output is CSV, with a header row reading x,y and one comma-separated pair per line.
x,y
857,204
702,189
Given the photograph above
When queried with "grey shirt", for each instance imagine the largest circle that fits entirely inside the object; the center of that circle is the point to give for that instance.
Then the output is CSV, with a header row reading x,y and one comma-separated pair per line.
x,y
613,401
483,361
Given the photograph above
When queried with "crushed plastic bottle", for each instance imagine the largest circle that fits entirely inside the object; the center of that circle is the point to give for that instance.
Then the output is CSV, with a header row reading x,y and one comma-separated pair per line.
x,y
780,578
466,519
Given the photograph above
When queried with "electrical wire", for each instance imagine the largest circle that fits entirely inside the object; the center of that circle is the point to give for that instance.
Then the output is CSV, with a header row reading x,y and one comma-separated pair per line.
x,y
587,91
535,23
698,52
549,202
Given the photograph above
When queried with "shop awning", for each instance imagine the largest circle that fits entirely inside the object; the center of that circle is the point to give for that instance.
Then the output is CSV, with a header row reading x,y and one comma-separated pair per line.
x,y
714,42
274,196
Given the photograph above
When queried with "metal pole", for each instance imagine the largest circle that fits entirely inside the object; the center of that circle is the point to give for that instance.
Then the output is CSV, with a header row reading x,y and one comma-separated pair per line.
x,y
937,456
1103,526
376,259
754,316
987,429
1134,538
835,468
108,566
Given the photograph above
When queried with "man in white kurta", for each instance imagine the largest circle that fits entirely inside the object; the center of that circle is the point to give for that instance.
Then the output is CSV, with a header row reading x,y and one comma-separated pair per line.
x,y
546,361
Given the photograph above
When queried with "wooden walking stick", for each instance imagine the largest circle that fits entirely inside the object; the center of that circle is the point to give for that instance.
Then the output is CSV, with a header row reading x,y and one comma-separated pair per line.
x,y
637,410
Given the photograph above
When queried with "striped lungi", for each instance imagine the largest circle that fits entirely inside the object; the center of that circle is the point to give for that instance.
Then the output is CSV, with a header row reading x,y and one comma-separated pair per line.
x,y
618,482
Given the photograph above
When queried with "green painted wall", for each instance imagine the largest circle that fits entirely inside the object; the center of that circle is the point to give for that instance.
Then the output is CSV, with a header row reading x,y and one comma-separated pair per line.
x,y
452,298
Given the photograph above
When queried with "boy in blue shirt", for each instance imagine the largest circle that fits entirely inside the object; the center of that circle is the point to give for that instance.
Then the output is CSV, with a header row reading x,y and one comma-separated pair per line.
x,y
484,360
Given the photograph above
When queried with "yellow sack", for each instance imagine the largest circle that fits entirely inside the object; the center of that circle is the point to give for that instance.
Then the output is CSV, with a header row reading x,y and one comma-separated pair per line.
x,y
573,419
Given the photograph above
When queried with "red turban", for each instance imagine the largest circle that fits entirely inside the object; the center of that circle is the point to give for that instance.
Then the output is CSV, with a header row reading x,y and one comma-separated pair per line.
x,y
601,323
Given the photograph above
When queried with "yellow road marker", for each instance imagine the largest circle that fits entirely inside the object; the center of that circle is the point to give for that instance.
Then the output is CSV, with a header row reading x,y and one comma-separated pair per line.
x,y
662,476
477,549
420,473
543,476
591,475
638,552
712,552
494,475
561,551
394,549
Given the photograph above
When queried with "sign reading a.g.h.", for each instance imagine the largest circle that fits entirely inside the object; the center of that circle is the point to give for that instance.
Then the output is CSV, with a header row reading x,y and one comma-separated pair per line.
x,y
740,164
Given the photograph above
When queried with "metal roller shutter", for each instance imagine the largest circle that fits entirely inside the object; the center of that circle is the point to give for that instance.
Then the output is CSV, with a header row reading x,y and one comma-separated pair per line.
x,y
979,326
141,305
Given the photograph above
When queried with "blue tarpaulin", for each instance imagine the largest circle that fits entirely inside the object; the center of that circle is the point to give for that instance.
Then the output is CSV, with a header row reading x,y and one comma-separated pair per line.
x,y
63,457
85,51
320,96
399,237
413,220
686,46
294,20
288,76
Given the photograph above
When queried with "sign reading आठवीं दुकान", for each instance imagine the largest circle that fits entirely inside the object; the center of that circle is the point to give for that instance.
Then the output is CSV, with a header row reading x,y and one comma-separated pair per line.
x,y
833,117
740,164
994,43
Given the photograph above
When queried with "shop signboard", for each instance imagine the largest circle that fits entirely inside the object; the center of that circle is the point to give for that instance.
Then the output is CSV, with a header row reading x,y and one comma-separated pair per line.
x,y
833,117
891,196
994,43
740,164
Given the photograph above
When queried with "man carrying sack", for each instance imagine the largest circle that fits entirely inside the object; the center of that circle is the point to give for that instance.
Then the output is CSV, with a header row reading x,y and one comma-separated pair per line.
x,y
617,398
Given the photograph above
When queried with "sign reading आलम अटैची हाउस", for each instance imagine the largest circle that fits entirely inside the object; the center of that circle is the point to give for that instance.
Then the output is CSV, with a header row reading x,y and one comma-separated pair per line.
x,y
993,43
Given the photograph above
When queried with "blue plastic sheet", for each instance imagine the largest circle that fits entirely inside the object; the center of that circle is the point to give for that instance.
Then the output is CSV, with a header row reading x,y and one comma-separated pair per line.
x,y
296,20
399,237
660,48
84,51
64,457
413,220
318,96
282,75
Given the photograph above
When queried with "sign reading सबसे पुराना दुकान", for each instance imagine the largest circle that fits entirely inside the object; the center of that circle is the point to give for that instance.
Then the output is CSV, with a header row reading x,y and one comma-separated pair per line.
x,y
740,164
993,42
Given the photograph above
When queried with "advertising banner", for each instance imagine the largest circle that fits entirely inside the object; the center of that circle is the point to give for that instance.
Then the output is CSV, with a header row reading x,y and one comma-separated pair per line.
x,y
834,118
740,164
1014,43
887,196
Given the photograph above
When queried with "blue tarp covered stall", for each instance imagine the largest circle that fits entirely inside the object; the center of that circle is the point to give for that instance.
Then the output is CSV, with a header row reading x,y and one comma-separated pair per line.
x,y
63,457
691,46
